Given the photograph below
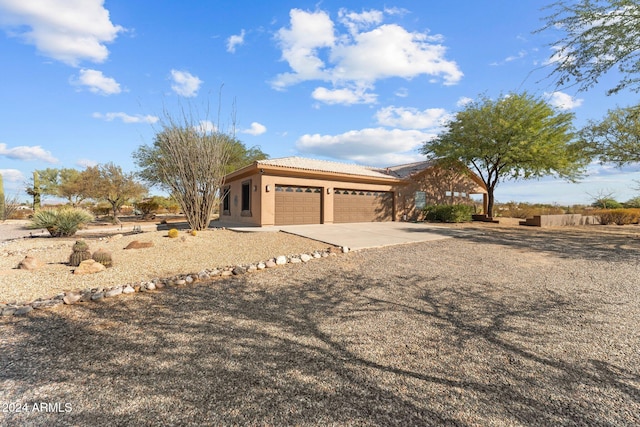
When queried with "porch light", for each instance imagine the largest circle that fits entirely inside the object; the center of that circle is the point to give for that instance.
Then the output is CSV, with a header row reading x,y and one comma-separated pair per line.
x,y
268,188
328,191
255,188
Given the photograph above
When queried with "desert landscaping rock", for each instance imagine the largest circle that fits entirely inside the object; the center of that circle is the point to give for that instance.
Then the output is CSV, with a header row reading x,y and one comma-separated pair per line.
x,y
281,260
21,311
238,270
128,289
113,292
71,298
136,244
30,263
97,296
270,264
89,266
305,257
8,311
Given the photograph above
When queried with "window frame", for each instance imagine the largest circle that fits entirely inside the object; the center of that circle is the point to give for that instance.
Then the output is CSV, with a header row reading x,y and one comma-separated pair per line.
x,y
245,196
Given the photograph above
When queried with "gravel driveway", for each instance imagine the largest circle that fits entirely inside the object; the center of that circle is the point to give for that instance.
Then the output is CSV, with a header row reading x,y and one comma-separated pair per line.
x,y
493,328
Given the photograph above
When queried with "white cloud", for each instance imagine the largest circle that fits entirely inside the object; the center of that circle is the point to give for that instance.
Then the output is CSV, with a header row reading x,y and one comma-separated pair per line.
x,y
412,118
97,82
356,22
402,92
126,118
366,52
206,127
563,101
308,33
68,31
463,101
521,54
85,163
383,147
185,84
12,175
235,40
345,96
27,153
255,129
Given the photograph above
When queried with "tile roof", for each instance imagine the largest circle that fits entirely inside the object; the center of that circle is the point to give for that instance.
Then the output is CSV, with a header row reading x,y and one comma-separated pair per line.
x,y
406,170
325,166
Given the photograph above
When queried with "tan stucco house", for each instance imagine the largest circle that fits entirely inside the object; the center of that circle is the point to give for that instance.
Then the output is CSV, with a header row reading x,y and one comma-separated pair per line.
x,y
297,190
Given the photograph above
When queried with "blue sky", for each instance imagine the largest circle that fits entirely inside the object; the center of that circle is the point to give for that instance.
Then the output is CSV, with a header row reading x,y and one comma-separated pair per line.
x,y
87,81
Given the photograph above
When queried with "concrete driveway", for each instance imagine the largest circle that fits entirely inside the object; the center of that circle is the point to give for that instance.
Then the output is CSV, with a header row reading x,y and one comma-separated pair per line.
x,y
363,235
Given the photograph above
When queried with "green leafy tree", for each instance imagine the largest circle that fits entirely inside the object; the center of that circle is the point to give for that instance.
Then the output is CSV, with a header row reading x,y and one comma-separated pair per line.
x,y
114,186
514,137
616,138
240,155
75,186
600,35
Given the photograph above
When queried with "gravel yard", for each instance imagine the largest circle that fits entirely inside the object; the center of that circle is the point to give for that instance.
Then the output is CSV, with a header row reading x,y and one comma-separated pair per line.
x,y
212,248
498,327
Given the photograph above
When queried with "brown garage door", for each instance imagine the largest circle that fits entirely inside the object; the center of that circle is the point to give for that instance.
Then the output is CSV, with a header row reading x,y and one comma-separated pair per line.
x,y
297,205
362,206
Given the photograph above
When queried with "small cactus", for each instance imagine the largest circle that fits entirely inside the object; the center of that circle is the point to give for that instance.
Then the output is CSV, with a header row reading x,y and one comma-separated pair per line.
x,y
80,253
194,233
103,257
173,233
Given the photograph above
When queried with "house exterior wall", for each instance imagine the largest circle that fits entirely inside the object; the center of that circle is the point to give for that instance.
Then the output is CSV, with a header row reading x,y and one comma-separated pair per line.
x,y
235,213
263,199
440,187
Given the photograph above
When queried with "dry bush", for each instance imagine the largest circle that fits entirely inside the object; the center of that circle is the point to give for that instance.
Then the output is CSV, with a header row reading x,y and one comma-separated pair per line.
x,y
618,216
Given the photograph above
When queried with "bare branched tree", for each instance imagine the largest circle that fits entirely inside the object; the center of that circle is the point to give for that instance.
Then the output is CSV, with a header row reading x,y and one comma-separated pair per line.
x,y
189,159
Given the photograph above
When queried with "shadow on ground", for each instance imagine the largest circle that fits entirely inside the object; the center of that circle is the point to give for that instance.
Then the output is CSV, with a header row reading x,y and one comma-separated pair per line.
x,y
343,345
564,243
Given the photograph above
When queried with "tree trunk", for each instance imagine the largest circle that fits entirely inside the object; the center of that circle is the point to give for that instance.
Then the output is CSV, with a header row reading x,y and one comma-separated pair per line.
x,y
115,213
490,202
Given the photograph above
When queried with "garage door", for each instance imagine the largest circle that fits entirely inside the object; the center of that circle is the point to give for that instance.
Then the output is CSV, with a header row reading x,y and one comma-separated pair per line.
x,y
362,206
297,205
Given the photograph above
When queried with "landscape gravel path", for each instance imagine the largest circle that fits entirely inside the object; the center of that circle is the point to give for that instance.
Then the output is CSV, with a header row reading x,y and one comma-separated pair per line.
x,y
515,327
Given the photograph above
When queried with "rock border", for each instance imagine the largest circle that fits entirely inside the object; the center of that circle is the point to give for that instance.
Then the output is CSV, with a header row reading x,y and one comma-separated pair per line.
x,y
184,279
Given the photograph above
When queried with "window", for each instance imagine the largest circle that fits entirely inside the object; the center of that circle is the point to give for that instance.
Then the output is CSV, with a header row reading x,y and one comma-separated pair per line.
x,y
246,198
226,201
421,199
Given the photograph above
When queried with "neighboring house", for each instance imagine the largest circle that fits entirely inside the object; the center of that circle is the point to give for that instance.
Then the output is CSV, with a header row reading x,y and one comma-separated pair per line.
x,y
296,190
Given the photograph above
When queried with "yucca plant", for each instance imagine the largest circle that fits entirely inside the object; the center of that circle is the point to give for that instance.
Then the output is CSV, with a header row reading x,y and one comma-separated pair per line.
x,y
62,222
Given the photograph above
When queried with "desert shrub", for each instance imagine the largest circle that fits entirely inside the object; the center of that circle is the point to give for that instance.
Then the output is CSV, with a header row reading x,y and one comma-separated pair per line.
x,y
61,222
80,253
103,257
632,203
618,216
173,233
526,210
448,213
148,206
101,209
194,233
